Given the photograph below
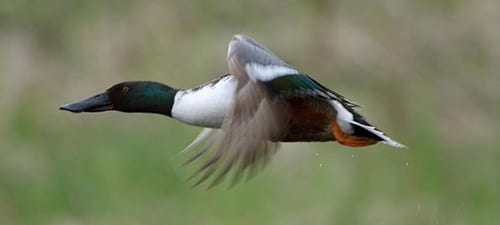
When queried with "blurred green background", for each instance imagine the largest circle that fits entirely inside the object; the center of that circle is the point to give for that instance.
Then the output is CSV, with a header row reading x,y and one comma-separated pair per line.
x,y
426,72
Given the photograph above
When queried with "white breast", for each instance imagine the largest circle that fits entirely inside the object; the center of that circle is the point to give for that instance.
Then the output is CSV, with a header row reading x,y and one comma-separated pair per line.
x,y
206,106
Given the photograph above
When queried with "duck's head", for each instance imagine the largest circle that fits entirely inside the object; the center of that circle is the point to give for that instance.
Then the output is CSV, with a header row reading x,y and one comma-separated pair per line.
x,y
129,96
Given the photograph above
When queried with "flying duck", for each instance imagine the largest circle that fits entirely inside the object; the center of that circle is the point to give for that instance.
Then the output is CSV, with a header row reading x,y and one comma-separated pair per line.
x,y
246,113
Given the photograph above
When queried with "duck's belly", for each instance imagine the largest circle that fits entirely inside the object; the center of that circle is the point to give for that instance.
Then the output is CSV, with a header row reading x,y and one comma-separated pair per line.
x,y
205,106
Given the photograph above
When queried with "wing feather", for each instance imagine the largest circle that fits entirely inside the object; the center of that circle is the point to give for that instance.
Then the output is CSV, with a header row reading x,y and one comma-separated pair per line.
x,y
246,137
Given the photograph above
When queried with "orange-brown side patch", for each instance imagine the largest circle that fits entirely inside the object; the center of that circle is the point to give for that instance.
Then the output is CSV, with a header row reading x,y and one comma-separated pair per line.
x,y
350,140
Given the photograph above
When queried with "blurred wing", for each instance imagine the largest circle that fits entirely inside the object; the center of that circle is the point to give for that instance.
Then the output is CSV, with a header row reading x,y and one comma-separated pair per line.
x,y
204,134
255,121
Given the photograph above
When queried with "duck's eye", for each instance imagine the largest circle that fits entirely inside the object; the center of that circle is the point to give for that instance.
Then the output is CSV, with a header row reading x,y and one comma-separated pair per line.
x,y
125,89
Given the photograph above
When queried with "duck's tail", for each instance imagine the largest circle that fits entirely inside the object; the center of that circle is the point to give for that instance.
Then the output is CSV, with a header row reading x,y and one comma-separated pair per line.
x,y
351,129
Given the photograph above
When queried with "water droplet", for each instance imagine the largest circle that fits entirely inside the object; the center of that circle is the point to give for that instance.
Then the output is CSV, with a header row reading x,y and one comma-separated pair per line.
x,y
407,163
321,165
316,154
352,156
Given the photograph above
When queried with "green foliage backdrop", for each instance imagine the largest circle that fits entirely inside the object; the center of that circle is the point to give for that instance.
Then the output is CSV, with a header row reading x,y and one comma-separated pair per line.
x,y
427,72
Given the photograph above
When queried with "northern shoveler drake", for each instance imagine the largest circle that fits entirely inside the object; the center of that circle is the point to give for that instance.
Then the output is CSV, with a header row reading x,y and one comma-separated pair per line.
x,y
262,101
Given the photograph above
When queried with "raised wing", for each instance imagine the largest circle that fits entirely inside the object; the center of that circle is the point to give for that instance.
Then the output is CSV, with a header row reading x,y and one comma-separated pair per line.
x,y
261,65
256,121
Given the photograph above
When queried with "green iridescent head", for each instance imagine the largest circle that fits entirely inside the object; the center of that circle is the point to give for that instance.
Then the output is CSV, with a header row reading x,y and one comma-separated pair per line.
x,y
129,96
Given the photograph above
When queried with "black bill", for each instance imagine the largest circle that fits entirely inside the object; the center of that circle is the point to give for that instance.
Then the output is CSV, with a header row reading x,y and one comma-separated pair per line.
x,y
97,103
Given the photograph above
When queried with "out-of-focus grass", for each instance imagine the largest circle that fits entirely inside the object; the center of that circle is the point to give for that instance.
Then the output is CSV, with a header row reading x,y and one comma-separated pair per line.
x,y
426,72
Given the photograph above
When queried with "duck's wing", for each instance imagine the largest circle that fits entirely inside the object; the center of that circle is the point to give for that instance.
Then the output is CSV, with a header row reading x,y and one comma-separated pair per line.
x,y
256,121
243,142
257,63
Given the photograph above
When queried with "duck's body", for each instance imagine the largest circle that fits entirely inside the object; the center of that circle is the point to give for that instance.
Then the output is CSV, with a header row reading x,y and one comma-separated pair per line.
x,y
308,119
263,100
208,104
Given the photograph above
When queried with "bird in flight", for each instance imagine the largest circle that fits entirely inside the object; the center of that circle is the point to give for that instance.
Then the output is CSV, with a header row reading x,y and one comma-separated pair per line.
x,y
246,113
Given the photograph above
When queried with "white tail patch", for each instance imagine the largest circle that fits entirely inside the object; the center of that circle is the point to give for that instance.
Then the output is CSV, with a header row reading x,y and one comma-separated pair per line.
x,y
267,72
345,119
386,140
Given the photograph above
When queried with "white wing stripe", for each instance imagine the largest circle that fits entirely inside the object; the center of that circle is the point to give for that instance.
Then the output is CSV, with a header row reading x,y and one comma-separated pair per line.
x,y
265,73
